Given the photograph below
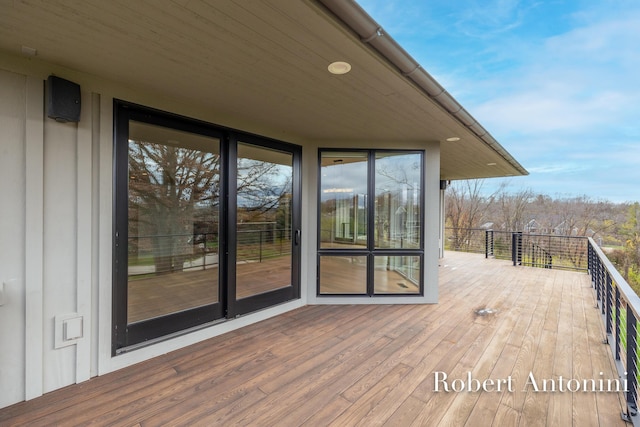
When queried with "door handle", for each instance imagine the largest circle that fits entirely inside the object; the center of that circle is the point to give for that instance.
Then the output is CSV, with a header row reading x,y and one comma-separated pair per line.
x,y
296,237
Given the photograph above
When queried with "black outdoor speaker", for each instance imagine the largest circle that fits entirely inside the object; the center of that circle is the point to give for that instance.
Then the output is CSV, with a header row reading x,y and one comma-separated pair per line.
x,y
63,100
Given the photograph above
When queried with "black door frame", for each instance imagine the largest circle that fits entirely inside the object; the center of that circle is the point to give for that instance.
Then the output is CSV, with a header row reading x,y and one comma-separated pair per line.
x,y
237,307
125,335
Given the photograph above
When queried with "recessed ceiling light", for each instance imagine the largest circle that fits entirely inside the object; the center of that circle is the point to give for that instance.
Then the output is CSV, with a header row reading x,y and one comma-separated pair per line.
x,y
339,67
491,164
453,139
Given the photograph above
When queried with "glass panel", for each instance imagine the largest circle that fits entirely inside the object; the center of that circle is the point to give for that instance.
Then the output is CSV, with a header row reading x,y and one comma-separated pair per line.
x,y
343,200
397,204
397,275
265,185
343,274
174,187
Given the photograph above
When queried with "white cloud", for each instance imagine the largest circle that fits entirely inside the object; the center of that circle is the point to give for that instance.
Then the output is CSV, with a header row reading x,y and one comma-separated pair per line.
x,y
558,168
581,80
485,19
550,109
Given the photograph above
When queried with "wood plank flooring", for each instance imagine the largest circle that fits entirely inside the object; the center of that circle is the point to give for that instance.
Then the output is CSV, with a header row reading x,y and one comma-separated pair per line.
x,y
372,365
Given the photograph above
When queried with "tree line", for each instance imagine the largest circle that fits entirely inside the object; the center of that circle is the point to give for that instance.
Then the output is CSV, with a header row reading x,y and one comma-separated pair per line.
x,y
613,226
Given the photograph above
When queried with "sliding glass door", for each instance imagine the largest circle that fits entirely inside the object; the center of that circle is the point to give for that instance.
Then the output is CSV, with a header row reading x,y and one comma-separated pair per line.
x,y
267,238
206,224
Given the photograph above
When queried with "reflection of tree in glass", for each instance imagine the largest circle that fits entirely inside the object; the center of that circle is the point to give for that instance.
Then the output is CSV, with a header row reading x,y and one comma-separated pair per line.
x,y
262,188
170,190
398,172
174,200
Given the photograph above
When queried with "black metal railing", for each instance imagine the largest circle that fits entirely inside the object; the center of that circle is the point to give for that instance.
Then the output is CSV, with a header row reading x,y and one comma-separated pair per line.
x,y
179,252
467,240
620,307
257,245
534,250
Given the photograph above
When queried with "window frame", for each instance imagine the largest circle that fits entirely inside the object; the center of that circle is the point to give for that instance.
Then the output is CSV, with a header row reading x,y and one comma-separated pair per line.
x,y
371,252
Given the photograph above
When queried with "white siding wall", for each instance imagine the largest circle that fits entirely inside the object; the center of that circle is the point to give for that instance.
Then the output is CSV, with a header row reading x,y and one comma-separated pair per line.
x,y
12,236
68,224
45,241
59,245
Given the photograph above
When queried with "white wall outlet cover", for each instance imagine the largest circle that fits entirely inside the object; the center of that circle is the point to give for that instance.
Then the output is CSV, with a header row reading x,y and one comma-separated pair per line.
x,y
69,328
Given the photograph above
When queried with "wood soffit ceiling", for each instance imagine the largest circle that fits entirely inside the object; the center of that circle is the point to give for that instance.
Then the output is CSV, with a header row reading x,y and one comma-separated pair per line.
x,y
261,62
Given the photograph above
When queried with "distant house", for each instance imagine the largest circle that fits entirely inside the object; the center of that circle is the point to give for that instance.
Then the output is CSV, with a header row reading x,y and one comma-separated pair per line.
x,y
175,172
532,227
565,229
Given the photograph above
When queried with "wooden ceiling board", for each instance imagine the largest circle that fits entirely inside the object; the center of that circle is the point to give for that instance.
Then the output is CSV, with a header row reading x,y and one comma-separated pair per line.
x,y
261,61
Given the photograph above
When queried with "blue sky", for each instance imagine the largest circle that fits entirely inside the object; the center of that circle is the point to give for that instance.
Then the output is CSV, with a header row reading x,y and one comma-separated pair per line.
x,y
557,83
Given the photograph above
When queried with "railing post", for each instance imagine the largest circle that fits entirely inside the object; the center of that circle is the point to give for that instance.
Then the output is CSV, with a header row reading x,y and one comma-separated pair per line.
x,y
607,302
516,248
603,290
520,248
632,365
598,281
618,339
260,250
488,243
603,284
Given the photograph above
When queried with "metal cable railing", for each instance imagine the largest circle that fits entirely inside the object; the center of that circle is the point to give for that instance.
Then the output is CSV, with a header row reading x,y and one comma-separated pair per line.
x,y
157,254
466,240
620,308
534,250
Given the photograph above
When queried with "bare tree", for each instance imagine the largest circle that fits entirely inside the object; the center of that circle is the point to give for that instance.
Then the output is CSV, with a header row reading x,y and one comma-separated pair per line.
x,y
628,260
261,187
464,210
513,208
574,217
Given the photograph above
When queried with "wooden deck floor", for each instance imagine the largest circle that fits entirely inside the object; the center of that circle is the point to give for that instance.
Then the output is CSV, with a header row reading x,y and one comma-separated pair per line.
x,y
372,365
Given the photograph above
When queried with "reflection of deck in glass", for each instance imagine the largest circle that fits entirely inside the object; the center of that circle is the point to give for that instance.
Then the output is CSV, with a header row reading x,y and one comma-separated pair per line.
x,y
347,275
163,294
158,295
